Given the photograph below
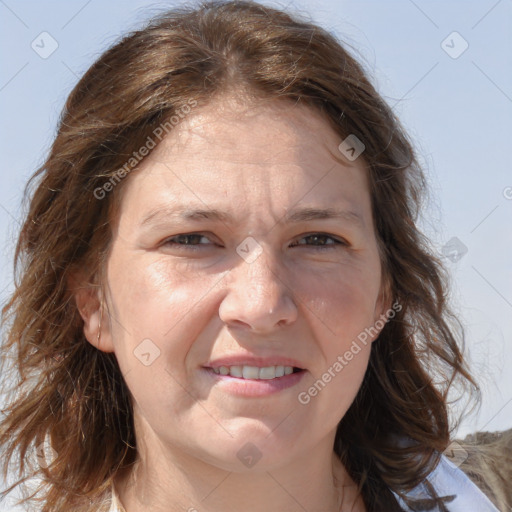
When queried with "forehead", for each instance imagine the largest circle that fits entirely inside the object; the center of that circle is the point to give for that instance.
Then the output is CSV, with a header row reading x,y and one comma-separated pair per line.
x,y
270,155
267,132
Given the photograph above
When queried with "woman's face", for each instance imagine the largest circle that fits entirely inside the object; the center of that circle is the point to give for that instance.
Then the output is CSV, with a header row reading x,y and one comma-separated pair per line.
x,y
220,258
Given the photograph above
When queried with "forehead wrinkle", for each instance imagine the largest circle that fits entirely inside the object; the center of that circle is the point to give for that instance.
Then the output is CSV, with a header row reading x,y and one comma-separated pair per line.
x,y
295,216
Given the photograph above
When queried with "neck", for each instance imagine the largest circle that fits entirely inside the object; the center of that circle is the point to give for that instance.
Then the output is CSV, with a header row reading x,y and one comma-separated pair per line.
x,y
169,480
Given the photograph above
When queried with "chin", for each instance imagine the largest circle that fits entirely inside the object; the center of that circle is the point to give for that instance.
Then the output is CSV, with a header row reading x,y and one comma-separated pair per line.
x,y
244,453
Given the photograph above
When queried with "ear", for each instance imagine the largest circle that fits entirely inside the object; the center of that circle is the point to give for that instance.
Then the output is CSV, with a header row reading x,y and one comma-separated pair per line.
x,y
90,303
384,309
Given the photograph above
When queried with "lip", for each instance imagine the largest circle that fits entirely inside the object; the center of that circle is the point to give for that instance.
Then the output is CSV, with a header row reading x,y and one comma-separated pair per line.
x,y
254,361
253,387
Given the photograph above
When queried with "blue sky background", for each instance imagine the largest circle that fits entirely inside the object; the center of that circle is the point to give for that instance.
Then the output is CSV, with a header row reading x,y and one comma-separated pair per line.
x,y
457,106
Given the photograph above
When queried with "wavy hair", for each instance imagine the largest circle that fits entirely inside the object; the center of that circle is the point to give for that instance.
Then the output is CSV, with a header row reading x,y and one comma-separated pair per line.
x,y
67,395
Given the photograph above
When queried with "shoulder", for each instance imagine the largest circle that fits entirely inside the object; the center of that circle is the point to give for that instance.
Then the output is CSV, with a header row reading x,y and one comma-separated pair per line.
x,y
448,480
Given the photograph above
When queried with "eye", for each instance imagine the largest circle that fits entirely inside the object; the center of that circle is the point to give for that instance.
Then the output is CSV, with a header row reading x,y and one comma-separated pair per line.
x,y
193,241
186,239
322,241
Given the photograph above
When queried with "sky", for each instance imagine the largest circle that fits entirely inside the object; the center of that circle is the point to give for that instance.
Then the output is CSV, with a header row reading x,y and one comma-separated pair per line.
x,y
444,67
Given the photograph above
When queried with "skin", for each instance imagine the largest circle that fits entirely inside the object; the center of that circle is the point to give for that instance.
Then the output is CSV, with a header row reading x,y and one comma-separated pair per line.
x,y
201,302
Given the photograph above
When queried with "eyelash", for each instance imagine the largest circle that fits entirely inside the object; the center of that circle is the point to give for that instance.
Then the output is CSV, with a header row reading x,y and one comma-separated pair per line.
x,y
337,242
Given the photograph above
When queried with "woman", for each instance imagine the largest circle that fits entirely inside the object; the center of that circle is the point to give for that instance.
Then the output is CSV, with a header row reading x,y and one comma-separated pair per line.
x,y
223,299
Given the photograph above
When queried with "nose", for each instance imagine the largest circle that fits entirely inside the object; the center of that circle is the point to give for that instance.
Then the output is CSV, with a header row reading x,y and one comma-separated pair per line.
x,y
258,296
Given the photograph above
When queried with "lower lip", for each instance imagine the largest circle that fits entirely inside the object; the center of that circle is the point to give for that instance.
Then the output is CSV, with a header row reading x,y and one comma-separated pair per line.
x,y
255,387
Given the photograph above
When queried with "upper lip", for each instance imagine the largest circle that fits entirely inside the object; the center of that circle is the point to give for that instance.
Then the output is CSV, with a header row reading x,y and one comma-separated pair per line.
x,y
261,362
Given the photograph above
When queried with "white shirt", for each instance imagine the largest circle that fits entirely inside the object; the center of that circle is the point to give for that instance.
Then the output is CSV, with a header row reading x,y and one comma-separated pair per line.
x,y
447,479
116,505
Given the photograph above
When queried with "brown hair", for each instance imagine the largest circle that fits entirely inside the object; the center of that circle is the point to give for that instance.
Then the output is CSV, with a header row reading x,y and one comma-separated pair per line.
x,y
74,393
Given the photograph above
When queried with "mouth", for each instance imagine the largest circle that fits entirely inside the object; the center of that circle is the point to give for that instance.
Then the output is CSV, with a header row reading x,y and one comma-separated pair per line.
x,y
256,372
254,381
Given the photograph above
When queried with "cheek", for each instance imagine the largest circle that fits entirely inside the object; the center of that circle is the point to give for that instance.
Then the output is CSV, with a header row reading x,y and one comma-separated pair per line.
x,y
152,301
342,302
157,316
340,313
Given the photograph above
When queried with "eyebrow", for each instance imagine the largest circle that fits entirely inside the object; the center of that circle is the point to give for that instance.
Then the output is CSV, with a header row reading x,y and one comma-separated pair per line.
x,y
295,216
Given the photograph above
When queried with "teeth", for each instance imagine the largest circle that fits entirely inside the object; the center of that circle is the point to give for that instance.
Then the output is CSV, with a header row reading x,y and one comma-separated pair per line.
x,y
269,372
254,372
234,371
251,372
